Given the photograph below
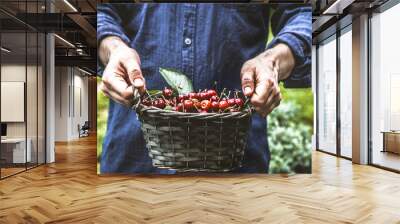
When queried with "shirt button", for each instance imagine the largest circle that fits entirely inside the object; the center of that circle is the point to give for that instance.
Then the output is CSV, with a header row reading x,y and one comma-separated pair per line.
x,y
188,41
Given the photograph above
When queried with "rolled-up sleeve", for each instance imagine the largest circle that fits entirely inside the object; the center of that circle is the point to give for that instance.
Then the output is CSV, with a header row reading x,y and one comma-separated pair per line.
x,y
291,25
109,22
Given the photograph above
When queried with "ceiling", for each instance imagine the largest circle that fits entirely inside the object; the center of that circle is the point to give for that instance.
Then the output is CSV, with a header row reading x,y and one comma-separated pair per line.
x,y
72,20
328,13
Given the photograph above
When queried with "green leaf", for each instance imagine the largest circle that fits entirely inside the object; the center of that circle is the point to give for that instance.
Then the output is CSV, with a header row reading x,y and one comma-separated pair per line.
x,y
178,81
154,92
168,107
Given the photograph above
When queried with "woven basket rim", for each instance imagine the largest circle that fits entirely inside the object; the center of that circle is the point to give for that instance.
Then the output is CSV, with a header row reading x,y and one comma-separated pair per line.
x,y
151,108
141,108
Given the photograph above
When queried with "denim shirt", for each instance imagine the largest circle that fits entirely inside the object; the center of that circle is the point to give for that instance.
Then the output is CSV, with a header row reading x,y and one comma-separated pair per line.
x,y
208,43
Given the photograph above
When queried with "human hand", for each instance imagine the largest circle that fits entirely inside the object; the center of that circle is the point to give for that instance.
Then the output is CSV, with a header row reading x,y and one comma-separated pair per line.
x,y
260,76
121,72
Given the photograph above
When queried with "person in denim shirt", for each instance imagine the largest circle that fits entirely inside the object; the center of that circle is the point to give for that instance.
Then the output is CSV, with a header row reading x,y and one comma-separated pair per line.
x,y
223,43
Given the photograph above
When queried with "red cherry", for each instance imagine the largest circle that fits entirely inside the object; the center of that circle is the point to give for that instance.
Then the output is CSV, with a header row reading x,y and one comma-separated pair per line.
x,y
196,103
205,104
179,107
155,103
231,102
239,102
211,92
203,96
223,104
192,95
197,96
214,105
146,102
188,104
181,98
214,98
160,104
167,92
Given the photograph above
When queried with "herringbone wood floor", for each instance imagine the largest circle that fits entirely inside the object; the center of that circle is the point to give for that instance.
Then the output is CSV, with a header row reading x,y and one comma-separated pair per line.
x,y
70,191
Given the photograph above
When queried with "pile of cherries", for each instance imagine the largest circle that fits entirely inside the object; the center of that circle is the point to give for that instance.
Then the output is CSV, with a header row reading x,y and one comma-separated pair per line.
x,y
195,102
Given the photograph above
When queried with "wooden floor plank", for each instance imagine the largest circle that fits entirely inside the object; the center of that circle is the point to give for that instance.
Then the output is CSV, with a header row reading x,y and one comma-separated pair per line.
x,y
70,191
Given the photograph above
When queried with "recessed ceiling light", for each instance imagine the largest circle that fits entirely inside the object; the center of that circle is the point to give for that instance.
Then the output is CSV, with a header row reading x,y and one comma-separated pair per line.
x,y
86,72
70,5
64,40
5,50
337,7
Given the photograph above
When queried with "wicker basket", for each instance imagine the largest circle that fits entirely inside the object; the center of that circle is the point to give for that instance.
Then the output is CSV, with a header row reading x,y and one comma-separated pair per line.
x,y
194,141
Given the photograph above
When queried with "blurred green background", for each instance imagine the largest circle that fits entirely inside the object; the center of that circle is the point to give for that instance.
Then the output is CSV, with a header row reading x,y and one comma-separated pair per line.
x,y
102,112
289,130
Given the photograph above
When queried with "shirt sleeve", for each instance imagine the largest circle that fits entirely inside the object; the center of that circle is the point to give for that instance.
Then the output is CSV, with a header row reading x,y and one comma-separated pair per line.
x,y
291,25
109,22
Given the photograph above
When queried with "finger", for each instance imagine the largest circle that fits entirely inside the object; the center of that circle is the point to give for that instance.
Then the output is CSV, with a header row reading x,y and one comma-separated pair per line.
x,y
274,94
116,86
105,90
266,108
132,67
275,103
248,83
264,89
124,98
102,88
261,93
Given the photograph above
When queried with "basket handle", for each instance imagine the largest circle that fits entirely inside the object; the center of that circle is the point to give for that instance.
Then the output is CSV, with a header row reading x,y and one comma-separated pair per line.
x,y
135,99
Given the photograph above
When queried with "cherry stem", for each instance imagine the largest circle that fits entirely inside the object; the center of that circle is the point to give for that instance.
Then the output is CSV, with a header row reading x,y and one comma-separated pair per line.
x,y
162,96
222,94
236,94
149,96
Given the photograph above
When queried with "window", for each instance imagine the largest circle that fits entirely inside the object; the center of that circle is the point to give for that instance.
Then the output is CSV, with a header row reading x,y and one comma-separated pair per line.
x,y
327,95
346,92
22,76
385,89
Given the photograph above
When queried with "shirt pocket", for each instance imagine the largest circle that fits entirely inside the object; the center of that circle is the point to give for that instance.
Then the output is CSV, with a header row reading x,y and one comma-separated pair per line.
x,y
244,15
245,22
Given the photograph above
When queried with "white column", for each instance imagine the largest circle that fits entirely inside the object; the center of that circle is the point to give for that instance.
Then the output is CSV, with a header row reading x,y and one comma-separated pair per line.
x,y
50,93
360,90
314,90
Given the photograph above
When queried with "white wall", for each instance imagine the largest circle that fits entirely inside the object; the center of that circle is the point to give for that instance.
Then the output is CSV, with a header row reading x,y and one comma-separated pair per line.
x,y
16,73
71,94
33,126
61,103
80,102
12,73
